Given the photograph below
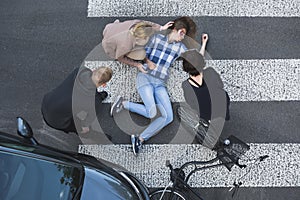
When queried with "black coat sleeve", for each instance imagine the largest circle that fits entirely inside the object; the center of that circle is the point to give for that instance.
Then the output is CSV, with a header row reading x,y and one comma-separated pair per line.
x,y
217,91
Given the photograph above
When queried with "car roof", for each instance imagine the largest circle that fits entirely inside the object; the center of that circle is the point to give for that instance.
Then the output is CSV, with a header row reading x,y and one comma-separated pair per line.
x,y
19,145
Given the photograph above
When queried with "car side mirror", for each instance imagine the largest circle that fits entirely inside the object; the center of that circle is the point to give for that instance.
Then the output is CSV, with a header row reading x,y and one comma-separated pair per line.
x,y
25,130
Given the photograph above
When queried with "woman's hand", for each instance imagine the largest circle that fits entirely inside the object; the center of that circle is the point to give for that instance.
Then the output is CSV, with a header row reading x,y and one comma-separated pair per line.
x,y
150,64
140,67
166,26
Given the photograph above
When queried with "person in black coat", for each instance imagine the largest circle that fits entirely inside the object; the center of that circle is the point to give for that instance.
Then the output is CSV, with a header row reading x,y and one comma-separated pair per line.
x,y
72,106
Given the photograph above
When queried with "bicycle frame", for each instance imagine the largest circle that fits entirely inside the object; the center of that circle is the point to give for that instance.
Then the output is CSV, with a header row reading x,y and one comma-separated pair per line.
x,y
229,153
180,181
175,176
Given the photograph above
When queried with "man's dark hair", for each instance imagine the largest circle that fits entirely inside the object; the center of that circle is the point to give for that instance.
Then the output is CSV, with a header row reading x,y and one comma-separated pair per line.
x,y
193,62
187,23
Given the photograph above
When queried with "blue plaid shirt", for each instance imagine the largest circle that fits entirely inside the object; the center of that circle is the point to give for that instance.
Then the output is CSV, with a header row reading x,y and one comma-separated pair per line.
x,y
162,54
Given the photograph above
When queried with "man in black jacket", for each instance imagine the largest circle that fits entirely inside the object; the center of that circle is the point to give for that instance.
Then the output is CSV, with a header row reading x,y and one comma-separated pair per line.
x,y
72,106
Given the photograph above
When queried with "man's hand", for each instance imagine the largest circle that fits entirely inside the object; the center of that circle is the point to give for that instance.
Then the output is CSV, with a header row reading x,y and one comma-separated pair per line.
x,y
204,41
204,38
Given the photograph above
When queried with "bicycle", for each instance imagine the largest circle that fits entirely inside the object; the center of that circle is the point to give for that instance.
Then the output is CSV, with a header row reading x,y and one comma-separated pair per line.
x,y
228,154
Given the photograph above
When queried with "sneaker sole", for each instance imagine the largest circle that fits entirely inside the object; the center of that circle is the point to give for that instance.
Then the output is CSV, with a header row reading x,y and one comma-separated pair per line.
x,y
132,144
114,105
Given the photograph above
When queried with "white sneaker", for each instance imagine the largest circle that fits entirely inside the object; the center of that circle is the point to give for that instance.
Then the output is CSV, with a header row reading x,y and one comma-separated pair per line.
x,y
117,106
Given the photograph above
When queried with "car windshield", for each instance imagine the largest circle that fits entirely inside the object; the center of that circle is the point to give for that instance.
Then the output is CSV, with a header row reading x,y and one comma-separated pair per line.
x,y
101,185
23,177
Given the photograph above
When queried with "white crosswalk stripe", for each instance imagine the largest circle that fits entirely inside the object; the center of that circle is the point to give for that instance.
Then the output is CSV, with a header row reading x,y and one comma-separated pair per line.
x,y
147,8
281,169
244,80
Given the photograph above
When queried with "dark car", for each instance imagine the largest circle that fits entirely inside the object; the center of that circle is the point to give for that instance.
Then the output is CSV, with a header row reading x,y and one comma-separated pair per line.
x,y
29,170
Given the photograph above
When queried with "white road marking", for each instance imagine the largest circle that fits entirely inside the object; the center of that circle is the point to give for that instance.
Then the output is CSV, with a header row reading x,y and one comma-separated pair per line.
x,y
281,169
244,80
147,8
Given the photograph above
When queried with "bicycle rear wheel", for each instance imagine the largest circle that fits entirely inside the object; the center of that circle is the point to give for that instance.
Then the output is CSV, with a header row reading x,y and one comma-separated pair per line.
x,y
167,195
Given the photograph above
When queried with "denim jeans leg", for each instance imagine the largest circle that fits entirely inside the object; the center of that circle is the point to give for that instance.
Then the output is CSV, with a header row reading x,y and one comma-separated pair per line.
x,y
162,98
148,109
163,102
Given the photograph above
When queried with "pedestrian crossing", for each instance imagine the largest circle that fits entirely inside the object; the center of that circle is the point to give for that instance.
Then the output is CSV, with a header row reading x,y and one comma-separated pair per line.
x,y
259,79
244,80
279,170
163,8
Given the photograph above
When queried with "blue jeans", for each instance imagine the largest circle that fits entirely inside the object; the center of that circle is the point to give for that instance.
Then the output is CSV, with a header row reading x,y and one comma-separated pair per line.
x,y
154,94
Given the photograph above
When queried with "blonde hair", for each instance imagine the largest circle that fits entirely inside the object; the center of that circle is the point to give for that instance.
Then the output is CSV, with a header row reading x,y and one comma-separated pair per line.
x,y
103,74
142,30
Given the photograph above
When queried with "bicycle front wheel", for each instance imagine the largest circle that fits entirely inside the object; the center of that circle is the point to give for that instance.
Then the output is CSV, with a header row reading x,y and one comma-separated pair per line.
x,y
167,195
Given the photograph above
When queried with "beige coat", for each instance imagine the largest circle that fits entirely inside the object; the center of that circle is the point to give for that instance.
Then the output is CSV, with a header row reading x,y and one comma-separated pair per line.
x,y
117,39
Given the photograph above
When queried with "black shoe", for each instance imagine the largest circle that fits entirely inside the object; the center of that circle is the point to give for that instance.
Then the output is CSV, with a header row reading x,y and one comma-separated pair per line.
x,y
103,95
117,106
136,144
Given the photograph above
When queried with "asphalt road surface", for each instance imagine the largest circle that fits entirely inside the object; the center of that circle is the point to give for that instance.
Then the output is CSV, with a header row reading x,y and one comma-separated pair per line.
x,y
41,42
